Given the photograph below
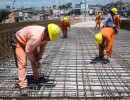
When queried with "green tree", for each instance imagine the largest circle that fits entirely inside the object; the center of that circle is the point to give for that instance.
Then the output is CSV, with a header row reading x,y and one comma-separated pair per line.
x,y
64,7
69,5
81,2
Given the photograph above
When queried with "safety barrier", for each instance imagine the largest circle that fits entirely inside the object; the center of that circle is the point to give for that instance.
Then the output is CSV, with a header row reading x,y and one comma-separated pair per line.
x,y
6,26
7,29
5,44
125,24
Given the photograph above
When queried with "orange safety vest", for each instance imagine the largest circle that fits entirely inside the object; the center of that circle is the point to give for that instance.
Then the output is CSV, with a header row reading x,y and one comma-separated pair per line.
x,y
64,25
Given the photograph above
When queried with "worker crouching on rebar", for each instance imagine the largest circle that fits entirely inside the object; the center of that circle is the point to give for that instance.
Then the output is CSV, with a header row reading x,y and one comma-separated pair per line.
x,y
30,39
98,20
105,38
65,24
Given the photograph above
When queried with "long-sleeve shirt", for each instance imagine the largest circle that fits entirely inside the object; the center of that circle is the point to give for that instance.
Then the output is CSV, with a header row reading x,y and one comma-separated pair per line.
x,y
31,37
109,36
109,21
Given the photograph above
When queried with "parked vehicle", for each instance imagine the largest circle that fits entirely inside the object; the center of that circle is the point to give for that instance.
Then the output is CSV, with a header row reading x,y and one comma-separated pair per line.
x,y
91,12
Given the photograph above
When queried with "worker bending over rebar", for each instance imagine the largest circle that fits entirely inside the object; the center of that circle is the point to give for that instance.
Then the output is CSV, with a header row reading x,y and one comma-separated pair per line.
x,y
65,24
27,41
105,39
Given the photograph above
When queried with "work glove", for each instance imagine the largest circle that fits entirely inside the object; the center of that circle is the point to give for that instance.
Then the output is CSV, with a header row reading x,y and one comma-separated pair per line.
x,y
115,30
113,25
105,57
38,64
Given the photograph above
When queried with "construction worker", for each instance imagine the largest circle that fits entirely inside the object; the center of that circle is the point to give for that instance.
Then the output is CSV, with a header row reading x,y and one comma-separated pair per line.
x,y
28,40
109,20
117,21
98,20
105,38
64,24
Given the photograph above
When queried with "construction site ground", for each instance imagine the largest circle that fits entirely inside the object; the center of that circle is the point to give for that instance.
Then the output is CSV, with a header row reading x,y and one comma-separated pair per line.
x,y
74,69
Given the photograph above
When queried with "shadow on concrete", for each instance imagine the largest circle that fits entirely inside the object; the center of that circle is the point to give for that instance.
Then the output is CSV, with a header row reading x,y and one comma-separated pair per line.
x,y
49,83
32,85
99,60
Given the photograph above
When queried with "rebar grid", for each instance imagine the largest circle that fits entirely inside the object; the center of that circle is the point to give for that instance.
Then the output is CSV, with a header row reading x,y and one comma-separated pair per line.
x,y
113,77
74,70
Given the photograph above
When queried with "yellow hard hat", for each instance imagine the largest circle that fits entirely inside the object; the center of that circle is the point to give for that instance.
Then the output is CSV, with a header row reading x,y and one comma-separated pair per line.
x,y
98,38
114,10
53,31
65,19
99,14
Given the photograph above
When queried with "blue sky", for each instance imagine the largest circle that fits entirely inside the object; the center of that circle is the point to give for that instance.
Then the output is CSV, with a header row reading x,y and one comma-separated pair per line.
x,y
40,3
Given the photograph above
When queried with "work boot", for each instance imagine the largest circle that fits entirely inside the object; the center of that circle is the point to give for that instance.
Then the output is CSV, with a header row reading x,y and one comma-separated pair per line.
x,y
24,91
41,80
100,57
106,61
